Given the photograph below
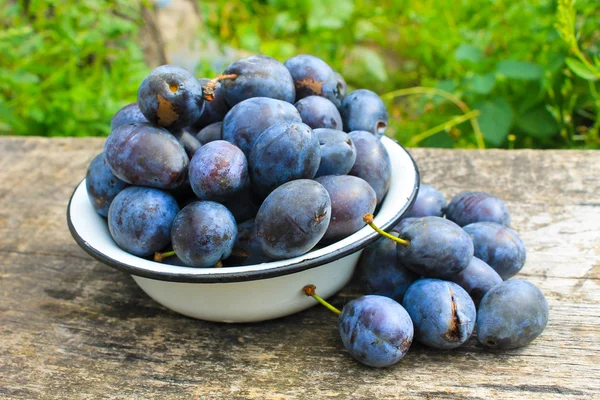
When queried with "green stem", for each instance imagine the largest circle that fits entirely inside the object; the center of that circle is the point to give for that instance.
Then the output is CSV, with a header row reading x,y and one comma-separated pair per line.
x,y
159,257
448,96
368,218
442,127
309,290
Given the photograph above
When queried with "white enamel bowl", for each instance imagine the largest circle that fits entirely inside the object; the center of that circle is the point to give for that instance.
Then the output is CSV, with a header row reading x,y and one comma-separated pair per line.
x,y
254,292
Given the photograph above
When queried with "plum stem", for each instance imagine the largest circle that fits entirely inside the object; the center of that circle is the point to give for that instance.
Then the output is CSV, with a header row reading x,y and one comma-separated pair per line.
x,y
368,218
208,91
309,290
159,257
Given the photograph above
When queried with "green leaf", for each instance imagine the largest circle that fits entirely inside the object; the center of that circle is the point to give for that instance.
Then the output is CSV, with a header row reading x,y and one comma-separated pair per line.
x,y
521,70
538,122
364,29
447,85
580,69
440,140
329,14
483,84
495,120
467,52
366,60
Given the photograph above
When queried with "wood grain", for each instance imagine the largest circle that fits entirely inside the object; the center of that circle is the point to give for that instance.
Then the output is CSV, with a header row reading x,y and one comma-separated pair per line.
x,y
71,327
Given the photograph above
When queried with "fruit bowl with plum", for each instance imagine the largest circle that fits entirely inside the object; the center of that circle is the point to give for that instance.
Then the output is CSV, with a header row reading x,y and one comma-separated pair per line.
x,y
224,197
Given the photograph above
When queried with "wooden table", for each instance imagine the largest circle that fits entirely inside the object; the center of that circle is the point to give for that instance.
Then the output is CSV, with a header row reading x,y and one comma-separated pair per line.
x,y
71,327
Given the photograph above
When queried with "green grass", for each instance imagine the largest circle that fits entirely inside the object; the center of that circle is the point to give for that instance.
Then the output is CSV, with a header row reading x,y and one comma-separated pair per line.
x,y
471,73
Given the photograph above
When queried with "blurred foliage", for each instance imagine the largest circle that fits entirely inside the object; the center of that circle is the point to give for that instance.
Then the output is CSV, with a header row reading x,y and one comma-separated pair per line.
x,y
469,73
524,72
65,68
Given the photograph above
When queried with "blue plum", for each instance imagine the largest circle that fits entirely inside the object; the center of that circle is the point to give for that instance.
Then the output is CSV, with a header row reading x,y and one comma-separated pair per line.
x,y
470,207
129,113
404,222
429,202
247,249
363,110
338,153
318,112
351,198
171,97
213,111
442,312
203,234
283,152
512,314
342,85
376,330
140,219
188,141
477,279
102,185
293,218
146,155
380,272
438,248
218,171
258,76
499,246
210,133
372,163
244,205
314,77
244,123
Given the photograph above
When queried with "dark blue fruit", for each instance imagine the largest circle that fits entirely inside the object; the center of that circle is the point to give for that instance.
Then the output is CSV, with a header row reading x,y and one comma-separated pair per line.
x,y
247,249
351,198
140,219
499,246
127,114
442,312
283,152
146,155
477,279
188,141
429,202
313,77
512,314
203,233
338,153
438,248
102,185
318,112
375,330
210,133
258,76
214,110
244,205
342,85
171,97
293,218
380,272
218,171
404,222
363,110
248,119
470,207
372,163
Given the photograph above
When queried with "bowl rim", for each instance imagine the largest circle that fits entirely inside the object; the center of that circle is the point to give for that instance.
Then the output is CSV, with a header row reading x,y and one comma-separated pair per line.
x,y
267,272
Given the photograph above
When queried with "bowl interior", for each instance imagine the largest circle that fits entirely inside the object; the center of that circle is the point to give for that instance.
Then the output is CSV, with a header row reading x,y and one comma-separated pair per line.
x,y
90,231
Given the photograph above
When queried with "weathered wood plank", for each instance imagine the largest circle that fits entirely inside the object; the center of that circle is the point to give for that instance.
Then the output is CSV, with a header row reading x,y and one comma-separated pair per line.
x,y
71,327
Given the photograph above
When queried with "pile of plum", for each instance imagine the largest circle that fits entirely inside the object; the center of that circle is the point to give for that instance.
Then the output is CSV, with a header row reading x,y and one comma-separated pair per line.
x,y
268,161
433,278
262,163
